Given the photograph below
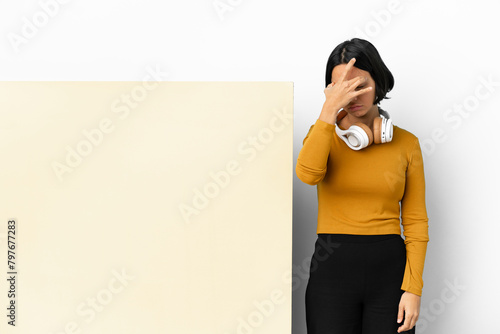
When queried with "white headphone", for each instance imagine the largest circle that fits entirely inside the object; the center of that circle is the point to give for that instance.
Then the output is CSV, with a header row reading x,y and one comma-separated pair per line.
x,y
359,135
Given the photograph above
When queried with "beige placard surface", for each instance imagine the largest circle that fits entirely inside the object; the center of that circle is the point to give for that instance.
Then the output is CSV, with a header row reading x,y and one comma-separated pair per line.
x,y
146,207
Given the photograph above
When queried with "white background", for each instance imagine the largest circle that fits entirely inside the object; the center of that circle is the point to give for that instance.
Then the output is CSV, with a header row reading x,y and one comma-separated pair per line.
x,y
440,53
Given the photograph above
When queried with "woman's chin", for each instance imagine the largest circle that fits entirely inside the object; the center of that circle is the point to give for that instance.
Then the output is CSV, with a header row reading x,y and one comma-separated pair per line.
x,y
357,113
360,113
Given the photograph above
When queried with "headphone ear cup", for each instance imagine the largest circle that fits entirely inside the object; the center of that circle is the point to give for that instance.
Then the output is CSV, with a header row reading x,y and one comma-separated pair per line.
x,y
377,130
367,130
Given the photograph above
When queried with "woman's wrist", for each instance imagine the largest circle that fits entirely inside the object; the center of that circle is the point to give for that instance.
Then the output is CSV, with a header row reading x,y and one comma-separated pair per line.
x,y
329,113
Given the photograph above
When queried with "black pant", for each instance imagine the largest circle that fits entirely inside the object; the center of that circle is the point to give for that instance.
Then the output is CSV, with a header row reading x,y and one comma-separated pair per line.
x,y
354,284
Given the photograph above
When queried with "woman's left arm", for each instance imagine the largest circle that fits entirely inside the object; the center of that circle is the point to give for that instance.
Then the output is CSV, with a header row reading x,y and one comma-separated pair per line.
x,y
415,229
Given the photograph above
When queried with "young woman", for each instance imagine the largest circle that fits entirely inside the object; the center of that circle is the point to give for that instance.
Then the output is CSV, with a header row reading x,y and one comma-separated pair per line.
x,y
364,277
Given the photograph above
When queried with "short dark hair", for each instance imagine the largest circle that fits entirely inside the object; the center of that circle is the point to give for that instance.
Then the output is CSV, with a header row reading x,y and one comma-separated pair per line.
x,y
367,59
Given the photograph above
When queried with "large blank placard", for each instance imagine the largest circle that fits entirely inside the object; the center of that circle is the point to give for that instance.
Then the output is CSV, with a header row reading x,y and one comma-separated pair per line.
x,y
146,207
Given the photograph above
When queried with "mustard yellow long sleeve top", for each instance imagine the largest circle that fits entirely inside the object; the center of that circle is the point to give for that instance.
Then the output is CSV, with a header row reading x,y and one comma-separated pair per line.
x,y
370,191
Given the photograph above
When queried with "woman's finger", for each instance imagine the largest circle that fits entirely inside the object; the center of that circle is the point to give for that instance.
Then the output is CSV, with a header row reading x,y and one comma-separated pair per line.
x,y
355,82
362,91
405,326
347,69
408,323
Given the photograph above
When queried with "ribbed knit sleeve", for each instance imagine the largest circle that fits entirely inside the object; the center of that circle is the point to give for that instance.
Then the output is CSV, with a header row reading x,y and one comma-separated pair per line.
x,y
313,157
415,222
